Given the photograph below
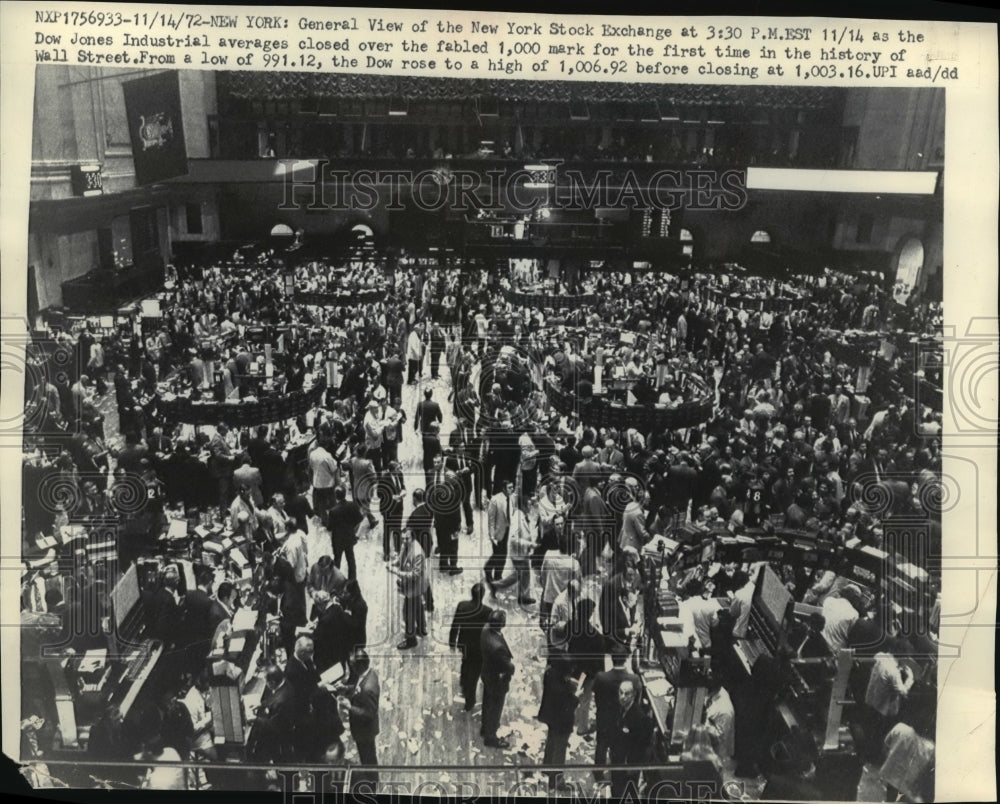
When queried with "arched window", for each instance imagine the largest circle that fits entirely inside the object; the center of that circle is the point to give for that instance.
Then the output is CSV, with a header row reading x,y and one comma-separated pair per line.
x,y
687,242
760,236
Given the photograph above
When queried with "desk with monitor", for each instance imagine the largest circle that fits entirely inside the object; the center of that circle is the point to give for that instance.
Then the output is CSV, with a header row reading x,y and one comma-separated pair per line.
x,y
117,674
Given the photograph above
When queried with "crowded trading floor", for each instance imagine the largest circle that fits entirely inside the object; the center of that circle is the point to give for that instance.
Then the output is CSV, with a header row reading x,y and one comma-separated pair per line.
x,y
363,512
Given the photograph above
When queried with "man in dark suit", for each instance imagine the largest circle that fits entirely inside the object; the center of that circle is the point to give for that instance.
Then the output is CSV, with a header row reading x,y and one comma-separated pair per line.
x,y
167,618
427,411
437,344
360,704
682,480
464,447
570,455
466,628
221,465
411,570
310,718
392,376
849,434
498,669
329,632
258,445
198,604
443,495
606,686
631,739
390,504
276,718
272,472
560,699
421,524
345,518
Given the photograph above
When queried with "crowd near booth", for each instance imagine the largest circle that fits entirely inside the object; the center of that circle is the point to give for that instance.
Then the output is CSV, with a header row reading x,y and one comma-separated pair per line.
x,y
599,502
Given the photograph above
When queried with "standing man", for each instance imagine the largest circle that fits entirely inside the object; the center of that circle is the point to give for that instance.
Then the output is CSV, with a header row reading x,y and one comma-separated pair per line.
x,y
437,348
410,569
560,698
303,677
414,353
391,507
606,686
374,434
345,517
522,546
221,465
363,480
465,447
528,463
498,516
359,703
248,476
427,411
392,375
420,522
443,498
498,669
467,626
391,425
325,476
631,739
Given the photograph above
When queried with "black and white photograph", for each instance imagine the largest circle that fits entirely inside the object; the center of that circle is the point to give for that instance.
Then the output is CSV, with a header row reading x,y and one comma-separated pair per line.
x,y
469,437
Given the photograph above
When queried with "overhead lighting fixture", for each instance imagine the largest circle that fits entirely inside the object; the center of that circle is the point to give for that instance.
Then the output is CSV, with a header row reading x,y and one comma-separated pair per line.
x,y
398,106
868,182
668,112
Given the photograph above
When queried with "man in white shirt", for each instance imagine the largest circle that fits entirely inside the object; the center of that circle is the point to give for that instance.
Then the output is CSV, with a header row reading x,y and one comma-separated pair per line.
x,y
374,433
841,611
414,353
482,331
296,551
699,610
325,477
720,718
522,545
528,464
243,519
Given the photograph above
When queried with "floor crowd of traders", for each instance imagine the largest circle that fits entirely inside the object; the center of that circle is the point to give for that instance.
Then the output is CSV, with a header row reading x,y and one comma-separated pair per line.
x,y
421,474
